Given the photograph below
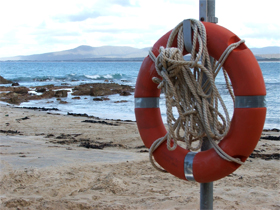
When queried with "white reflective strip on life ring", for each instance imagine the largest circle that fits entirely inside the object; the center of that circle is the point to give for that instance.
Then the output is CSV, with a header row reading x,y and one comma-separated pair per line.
x,y
149,102
188,166
249,101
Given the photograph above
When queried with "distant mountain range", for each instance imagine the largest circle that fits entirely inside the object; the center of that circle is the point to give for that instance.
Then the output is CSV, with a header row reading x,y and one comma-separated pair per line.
x,y
88,53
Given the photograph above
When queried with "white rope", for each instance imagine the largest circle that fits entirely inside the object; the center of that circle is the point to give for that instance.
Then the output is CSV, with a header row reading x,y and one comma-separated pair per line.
x,y
196,100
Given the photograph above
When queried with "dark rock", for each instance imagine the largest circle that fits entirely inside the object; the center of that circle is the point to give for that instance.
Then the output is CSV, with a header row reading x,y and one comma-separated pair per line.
x,y
18,95
63,139
5,81
273,138
47,94
273,130
81,90
24,118
63,102
39,108
14,99
101,99
125,93
128,121
9,131
41,90
76,98
98,145
124,80
64,136
140,147
15,84
275,156
100,122
101,89
105,98
144,150
121,101
21,90
77,114
61,93
97,92
47,87
97,99
91,146
4,88
49,136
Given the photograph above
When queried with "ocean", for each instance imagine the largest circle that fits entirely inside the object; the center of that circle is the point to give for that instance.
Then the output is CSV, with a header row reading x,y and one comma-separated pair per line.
x,y
74,73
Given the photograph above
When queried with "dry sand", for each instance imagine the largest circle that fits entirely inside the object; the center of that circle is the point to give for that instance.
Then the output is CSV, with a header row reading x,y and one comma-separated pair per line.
x,y
43,167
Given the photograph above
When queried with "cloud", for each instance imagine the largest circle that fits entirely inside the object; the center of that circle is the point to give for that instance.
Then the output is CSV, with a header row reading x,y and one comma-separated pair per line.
x,y
124,3
84,15
262,30
35,26
96,9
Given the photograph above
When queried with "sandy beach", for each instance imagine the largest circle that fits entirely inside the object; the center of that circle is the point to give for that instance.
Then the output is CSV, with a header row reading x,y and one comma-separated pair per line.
x,y
55,161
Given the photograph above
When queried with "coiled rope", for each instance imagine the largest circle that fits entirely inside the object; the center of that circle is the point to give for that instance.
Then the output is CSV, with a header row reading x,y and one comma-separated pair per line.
x,y
190,87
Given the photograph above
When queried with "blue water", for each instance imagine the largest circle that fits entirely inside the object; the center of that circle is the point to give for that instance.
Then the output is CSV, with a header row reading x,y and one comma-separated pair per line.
x,y
42,73
74,73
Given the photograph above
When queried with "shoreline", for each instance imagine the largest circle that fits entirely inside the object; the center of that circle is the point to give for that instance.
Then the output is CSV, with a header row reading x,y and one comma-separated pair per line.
x,y
57,161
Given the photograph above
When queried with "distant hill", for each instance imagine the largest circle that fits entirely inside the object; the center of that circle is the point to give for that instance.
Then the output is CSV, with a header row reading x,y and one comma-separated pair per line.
x,y
85,52
265,50
119,53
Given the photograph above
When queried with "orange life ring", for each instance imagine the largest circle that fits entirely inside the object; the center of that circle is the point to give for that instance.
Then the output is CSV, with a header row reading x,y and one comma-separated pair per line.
x,y
247,121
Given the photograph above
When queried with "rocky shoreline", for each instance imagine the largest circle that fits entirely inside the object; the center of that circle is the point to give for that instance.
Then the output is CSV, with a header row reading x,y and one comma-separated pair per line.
x,y
18,94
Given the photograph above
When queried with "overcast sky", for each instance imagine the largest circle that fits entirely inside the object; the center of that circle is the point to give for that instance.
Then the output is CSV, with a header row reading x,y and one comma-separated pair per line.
x,y
39,26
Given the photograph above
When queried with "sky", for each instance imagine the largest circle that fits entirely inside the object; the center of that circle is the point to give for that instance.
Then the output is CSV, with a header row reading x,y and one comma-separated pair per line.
x,y
40,26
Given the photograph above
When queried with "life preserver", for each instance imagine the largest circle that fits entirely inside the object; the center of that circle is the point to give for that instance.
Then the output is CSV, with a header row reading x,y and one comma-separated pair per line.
x,y
247,121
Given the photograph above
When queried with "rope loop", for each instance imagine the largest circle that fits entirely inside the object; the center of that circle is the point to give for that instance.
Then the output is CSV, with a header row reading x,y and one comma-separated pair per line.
x,y
189,87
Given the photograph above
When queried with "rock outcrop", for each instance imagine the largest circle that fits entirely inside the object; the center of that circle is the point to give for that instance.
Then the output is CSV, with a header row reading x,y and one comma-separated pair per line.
x,y
101,89
5,81
17,95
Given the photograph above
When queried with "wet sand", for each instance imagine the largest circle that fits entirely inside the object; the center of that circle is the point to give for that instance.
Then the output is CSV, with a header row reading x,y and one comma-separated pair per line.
x,y
53,161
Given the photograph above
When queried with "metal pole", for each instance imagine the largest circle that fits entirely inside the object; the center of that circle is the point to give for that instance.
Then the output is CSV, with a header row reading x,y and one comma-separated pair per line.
x,y
206,189
207,14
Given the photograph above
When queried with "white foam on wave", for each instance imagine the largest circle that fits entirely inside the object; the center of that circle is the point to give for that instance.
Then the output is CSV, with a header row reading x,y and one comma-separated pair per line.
x,y
108,76
93,76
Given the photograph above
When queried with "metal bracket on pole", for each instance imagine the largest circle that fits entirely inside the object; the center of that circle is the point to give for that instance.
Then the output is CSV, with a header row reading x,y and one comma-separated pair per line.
x,y
187,32
207,11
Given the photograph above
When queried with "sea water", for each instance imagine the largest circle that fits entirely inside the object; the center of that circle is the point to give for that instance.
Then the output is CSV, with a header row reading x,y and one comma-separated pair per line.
x,y
74,73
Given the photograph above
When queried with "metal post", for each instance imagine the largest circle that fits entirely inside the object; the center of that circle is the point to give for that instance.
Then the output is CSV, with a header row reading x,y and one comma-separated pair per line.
x,y
206,189
207,14
207,11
